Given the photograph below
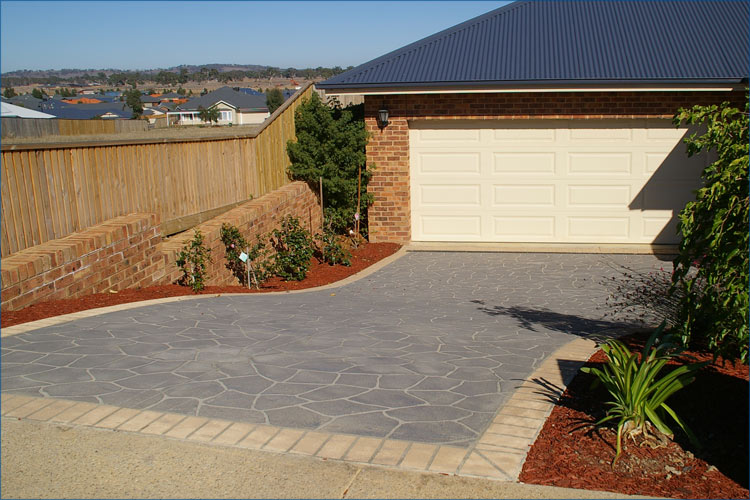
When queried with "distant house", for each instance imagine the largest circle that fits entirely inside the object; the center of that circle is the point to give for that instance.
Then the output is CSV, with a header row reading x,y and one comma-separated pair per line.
x,y
149,101
173,97
26,101
81,100
8,110
236,108
106,110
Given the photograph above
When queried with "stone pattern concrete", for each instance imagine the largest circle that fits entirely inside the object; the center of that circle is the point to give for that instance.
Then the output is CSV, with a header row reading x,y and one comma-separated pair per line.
x,y
426,350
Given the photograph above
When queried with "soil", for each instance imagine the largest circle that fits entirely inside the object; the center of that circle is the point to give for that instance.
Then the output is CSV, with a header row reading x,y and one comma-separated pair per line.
x,y
319,274
570,452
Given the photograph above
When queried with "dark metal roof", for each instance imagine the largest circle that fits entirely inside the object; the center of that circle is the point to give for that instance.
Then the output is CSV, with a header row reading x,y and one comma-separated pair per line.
x,y
85,111
572,42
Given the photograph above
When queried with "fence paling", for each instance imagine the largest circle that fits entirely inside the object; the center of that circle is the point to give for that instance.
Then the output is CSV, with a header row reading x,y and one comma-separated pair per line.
x,y
50,191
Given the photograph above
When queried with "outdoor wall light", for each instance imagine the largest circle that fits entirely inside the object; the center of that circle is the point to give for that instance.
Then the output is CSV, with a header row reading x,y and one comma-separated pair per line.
x,y
382,118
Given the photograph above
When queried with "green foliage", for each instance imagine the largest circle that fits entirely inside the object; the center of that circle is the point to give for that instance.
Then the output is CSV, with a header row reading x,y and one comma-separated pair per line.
x,y
274,99
711,271
181,91
234,244
294,249
193,259
9,92
133,100
209,115
38,93
638,397
331,144
329,248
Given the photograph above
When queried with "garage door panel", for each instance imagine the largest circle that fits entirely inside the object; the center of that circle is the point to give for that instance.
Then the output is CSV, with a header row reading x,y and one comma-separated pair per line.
x,y
515,195
524,228
600,164
597,227
608,134
450,195
524,134
448,135
523,163
598,195
451,227
608,181
448,163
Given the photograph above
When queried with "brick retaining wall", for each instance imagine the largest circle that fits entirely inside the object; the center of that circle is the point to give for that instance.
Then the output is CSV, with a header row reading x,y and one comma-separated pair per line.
x,y
120,253
128,251
252,218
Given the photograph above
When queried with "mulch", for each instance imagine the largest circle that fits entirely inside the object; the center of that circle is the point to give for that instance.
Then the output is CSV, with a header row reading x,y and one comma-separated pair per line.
x,y
319,274
569,452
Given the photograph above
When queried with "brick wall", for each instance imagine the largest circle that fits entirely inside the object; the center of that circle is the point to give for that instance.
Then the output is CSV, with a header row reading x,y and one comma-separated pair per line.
x,y
128,251
388,149
255,217
120,253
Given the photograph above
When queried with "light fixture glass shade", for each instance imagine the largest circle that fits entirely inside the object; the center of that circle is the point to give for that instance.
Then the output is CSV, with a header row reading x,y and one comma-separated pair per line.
x,y
382,117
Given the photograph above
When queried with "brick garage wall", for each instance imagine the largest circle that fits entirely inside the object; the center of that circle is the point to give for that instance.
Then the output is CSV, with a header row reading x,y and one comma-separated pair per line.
x,y
120,253
388,149
256,217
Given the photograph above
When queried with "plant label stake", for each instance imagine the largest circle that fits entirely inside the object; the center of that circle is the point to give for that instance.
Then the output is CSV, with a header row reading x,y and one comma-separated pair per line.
x,y
243,258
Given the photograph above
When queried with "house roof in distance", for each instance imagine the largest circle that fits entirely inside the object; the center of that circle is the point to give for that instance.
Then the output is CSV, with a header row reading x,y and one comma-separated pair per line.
x,y
572,43
239,100
12,111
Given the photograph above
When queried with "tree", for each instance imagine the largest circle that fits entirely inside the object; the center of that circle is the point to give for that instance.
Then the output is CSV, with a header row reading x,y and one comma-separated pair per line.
x,y
181,91
209,115
39,94
274,99
133,100
331,144
9,92
711,270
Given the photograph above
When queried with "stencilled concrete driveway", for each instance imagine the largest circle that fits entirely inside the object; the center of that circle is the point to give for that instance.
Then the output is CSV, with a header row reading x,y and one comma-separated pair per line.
x,y
427,349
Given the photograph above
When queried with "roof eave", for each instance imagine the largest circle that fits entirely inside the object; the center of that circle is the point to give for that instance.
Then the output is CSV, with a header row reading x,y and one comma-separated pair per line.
x,y
505,85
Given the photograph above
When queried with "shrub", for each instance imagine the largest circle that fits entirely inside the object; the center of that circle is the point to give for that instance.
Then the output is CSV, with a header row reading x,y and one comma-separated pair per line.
x,y
192,259
294,249
330,249
234,244
331,144
638,398
711,271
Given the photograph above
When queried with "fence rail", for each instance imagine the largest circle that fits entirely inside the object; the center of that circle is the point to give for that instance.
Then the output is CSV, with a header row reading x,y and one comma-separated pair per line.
x,y
41,127
52,190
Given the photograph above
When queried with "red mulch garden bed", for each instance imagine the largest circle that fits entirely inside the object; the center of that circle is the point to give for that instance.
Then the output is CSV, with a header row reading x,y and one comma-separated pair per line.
x,y
570,453
320,274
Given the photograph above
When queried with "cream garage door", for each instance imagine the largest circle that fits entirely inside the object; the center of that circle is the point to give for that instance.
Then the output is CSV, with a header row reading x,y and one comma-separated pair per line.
x,y
552,181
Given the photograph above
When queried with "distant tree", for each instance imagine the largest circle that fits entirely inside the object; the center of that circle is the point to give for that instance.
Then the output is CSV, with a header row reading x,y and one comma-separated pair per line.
x,y
274,99
133,100
183,78
190,92
209,115
205,91
151,91
9,92
181,91
39,94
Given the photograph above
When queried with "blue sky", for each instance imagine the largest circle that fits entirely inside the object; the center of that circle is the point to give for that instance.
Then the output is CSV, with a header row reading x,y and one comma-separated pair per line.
x,y
145,35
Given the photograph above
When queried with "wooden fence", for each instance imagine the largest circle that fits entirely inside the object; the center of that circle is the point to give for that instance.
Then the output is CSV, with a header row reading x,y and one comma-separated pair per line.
x,y
42,127
52,190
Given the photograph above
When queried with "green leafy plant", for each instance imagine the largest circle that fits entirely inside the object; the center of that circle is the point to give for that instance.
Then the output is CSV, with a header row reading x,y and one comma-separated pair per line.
x,y
330,249
235,244
294,249
639,397
331,144
711,270
193,259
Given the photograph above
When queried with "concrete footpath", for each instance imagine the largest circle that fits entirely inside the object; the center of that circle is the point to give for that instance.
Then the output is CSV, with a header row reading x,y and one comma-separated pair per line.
x,y
44,460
